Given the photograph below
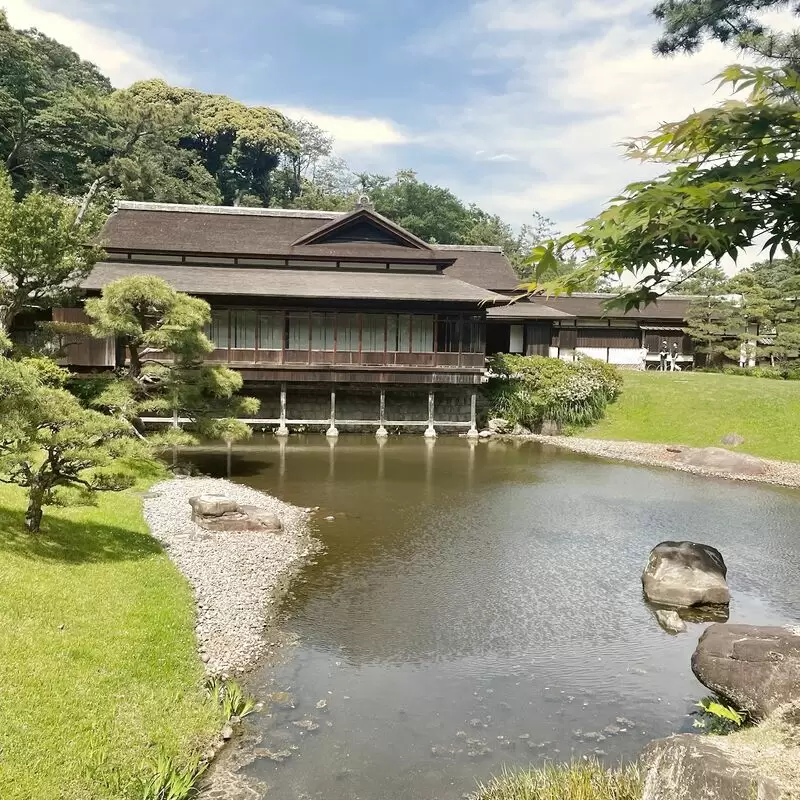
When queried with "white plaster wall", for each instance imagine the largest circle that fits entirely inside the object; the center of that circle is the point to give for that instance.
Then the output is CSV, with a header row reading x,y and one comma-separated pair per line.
x,y
593,352
624,356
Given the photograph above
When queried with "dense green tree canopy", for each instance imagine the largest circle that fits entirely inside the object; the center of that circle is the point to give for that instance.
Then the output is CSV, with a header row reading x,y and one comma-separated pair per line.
x,y
40,83
43,250
239,145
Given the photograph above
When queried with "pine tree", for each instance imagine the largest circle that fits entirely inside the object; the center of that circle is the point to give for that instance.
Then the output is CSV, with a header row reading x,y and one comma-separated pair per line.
x,y
163,333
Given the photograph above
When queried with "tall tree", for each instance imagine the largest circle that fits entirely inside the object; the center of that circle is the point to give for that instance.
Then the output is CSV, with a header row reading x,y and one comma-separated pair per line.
x,y
39,81
163,333
716,325
44,251
239,145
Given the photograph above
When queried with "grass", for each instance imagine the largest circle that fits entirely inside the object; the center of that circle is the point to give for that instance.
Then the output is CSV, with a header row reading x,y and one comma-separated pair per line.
x,y
579,781
698,409
99,676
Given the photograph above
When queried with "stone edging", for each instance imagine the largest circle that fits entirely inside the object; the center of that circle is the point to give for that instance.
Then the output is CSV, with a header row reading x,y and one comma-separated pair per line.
x,y
780,473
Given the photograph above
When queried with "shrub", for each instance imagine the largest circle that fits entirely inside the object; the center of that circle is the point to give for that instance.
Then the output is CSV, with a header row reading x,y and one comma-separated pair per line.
x,y
580,781
785,373
529,389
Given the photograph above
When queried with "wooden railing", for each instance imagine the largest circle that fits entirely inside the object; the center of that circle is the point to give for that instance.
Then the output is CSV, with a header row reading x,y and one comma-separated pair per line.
x,y
320,358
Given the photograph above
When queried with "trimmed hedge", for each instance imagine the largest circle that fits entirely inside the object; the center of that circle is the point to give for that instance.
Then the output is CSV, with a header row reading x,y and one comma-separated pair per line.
x,y
772,373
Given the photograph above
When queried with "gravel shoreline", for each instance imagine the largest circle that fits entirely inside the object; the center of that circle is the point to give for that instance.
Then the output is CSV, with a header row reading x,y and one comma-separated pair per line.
x,y
237,578
780,473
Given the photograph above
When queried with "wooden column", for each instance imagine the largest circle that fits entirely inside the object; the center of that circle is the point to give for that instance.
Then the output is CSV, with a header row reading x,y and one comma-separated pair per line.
x,y
382,433
472,433
430,431
282,429
332,432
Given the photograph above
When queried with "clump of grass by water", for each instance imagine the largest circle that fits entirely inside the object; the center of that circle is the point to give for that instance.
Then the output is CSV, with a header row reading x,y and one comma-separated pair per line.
x,y
585,780
170,779
230,696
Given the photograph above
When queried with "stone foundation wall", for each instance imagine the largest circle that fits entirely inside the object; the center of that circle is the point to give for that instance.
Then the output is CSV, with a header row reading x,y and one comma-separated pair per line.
x,y
313,402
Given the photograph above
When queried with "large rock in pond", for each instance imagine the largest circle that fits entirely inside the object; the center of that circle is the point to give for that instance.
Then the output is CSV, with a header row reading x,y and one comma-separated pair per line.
x,y
218,513
213,505
721,460
498,425
756,668
692,767
685,574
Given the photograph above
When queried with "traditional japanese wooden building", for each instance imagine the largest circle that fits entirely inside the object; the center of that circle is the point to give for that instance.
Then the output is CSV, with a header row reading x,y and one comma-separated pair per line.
x,y
348,320
390,329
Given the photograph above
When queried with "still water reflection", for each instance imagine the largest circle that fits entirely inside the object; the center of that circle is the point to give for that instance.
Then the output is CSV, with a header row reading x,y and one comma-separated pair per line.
x,y
480,606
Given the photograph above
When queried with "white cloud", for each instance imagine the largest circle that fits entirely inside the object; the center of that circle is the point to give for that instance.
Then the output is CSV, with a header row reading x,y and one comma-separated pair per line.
x,y
573,81
351,134
333,16
123,58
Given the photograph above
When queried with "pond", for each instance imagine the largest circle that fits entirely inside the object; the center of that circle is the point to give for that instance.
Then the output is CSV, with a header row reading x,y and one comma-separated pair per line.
x,y
479,606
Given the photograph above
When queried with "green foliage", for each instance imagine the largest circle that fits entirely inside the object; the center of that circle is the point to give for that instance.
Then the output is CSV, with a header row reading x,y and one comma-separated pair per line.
x,y
39,81
717,718
43,251
60,452
689,23
715,324
583,780
231,698
530,389
171,779
163,331
47,371
731,181
770,373
238,145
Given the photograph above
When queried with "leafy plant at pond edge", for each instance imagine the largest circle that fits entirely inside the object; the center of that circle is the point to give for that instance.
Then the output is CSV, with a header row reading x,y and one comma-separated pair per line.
x,y
171,780
231,697
716,718
527,390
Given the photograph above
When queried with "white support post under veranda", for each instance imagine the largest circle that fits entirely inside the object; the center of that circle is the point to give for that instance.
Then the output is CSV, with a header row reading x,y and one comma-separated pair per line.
x,y
332,432
382,433
472,433
430,431
282,429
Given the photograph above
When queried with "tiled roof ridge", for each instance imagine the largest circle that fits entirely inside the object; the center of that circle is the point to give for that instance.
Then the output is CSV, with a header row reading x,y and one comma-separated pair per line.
x,y
186,208
469,248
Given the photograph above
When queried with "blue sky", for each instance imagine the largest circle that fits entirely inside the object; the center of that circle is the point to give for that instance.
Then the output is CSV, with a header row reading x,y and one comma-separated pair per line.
x,y
516,105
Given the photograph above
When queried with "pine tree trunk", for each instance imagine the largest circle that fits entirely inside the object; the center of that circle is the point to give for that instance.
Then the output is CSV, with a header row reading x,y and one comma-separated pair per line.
x,y
33,515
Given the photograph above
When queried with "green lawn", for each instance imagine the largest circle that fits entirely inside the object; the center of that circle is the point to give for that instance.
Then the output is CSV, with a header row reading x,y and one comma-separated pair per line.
x,y
699,408
98,667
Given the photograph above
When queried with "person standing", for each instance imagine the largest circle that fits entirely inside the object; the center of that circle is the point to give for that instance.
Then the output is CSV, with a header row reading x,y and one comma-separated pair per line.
x,y
674,358
643,353
663,354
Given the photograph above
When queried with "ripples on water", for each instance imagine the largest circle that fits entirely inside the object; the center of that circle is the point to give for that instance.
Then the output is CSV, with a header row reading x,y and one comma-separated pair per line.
x,y
487,597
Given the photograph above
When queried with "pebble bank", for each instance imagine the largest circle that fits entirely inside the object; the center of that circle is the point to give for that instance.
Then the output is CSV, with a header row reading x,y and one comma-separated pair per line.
x,y
237,577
